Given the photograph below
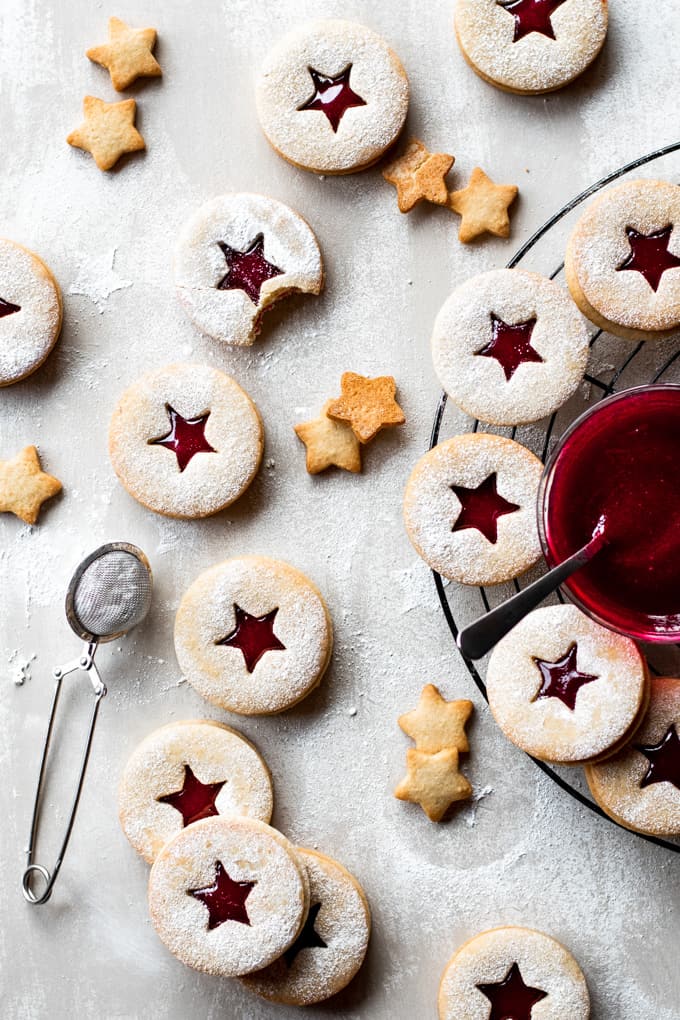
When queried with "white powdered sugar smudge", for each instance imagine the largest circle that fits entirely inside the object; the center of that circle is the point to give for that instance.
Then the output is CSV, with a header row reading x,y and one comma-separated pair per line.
x,y
97,279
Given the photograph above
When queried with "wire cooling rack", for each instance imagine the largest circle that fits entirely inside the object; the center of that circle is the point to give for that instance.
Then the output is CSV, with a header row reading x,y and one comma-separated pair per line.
x,y
614,365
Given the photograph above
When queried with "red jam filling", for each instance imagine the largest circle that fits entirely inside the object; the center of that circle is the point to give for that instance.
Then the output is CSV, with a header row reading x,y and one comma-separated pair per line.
x,y
562,679
185,438
512,999
481,508
195,800
510,345
225,899
247,270
649,255
664,760
253,636
7,308
333,96
532,16
308,938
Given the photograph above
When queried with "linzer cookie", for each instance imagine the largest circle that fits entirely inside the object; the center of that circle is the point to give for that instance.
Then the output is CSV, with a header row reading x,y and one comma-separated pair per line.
x,y
565,689
640,786
470,508
253,635
332,97
30,312
623,260
187,771
530,46
236,256
509,347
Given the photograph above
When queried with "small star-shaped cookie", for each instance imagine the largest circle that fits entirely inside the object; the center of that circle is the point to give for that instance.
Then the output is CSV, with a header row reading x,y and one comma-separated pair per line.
x,y
108,131
418,174
483,206
127,55
367,404
436,724
329,443
433,781
24,487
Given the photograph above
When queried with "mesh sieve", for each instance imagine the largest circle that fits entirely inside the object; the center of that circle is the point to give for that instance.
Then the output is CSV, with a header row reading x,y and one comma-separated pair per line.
x,y
112,594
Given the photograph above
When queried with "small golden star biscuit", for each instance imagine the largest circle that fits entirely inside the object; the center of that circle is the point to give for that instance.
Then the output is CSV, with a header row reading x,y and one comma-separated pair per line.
x,y
433,781
437,724
368,405
108,131
127,55
24,487
483,206
418,174
329,443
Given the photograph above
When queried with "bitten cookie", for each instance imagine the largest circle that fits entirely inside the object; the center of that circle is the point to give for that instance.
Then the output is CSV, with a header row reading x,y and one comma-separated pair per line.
x,y
332,97
187,771
185,440
253,635
30,312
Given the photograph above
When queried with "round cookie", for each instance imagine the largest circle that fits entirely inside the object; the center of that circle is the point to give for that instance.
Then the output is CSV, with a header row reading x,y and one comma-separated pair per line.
x,y
530,46
236,256
185,440
332,97
509,347
640,786
332,945
186,771
253,635
470,508
30,312
506,973
228,896
622,263
565,689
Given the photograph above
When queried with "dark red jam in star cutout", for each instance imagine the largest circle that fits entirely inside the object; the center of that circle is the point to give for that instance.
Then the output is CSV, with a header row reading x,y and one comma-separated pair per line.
x,y
308,938
225,898
511,998
562,679
333,96
253,635
664,760
7,308
649,255
510,345
195,800
532,16
247,270
481,508
185,438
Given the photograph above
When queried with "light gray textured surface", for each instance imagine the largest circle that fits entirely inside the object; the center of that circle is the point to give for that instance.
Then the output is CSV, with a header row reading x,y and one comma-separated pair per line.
x,y
531,856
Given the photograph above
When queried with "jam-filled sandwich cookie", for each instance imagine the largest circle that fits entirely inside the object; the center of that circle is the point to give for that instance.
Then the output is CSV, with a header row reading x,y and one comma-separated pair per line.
x,y
623,260
228,896
187,771
30,312
332,97
253,635
186,440
332,945
236,256
513,974
530,46
470,508
640,786
565,689
509,347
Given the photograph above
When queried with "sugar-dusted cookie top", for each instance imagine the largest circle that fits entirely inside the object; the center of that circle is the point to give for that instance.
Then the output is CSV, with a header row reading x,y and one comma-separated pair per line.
x,y
30,312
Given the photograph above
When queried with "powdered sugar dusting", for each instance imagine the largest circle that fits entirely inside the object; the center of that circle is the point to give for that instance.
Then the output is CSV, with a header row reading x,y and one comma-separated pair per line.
x,y
26,336
97,279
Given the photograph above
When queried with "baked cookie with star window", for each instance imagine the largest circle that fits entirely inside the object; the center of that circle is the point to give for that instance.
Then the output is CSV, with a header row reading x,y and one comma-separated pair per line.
x,y
331,97
30,312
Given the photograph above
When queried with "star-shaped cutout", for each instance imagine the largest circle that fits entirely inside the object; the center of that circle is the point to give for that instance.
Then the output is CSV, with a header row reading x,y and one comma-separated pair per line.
x,y
308,938
436,724
225,898
562,679
368,405
664,760
185,438
329,443
433,781
195,800
510,345
127,55
8,308
247,270
483,206
481,507
24,486
418,174
253,636
532,16
332,95
649,255
511,998
108,131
